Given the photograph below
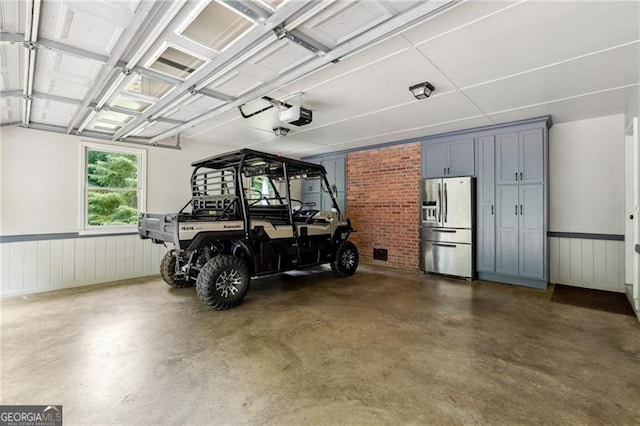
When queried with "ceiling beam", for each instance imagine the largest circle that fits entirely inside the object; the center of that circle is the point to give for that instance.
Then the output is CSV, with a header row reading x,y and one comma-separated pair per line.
x,y
13,124
95,135
248,9
135,113
11,38
72,50
56,98
215,94
382,31
244,44
30,37
11,93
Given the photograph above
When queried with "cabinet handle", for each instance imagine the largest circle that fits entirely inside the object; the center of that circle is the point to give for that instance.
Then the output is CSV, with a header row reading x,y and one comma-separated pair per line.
x,y
444,170
448,170
491,209
516,175
520,175
520,209
516,206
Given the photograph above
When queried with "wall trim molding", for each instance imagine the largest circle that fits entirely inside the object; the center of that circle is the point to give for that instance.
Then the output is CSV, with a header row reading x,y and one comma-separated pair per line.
x,y
586,236
545,118
58,236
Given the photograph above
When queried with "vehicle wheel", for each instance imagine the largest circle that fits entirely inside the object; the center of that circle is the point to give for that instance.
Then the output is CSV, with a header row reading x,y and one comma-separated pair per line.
x,y
168,271
223,282
346,261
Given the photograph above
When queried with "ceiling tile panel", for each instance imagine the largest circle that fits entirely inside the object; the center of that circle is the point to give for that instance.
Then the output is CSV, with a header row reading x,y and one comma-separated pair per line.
x,y
234,83
530,35
381,51
52,112
11,64
427,112
94,26
344,20
579,108
436,129
235,133
585,75
195,106
12,18
64,75
283,56
454,17
10,109
372,88
287,146
398,6
154,129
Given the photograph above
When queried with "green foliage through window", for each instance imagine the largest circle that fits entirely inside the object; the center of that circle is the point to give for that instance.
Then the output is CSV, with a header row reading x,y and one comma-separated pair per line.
x,y
112,182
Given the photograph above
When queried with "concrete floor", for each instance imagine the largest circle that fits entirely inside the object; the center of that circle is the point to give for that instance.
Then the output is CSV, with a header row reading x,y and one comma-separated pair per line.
x,y
384,346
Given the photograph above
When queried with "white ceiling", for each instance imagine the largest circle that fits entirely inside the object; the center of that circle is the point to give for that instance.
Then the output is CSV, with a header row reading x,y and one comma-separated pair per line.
x,y
491,62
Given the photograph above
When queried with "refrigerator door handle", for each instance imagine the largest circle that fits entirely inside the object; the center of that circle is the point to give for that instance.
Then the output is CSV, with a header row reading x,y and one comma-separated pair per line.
x,y
447,231
446,205
444,245
439,204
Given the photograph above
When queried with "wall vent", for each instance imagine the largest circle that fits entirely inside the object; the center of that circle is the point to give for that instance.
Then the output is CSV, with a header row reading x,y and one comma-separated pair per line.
x,y
380,254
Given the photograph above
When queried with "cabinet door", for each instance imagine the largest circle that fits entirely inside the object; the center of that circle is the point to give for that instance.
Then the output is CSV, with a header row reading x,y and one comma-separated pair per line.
x,y
507,229
531,156
435,160
507,158
461,158
531,231
486,250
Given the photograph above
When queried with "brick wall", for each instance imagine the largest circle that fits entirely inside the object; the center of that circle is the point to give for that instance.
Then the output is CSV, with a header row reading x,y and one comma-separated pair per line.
x,y
382,202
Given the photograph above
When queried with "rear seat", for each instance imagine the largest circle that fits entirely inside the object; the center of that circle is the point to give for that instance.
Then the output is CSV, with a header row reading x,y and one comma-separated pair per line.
x,y
277,215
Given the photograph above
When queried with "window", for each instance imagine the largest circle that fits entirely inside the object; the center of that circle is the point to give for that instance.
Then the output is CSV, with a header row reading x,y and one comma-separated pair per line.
x,y
113,190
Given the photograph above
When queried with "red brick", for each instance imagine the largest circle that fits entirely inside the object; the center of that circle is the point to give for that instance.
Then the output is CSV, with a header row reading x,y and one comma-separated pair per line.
x,y
382,201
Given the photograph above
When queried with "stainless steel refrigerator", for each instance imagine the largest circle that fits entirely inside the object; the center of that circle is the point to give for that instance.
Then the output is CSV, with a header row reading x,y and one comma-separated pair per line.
x,y
447,223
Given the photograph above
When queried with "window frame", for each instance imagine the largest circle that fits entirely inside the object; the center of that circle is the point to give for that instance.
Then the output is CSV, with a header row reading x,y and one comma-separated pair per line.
x,y
141,190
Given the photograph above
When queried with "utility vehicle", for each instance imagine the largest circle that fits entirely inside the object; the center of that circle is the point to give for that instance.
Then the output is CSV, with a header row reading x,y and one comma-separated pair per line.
x,y
243,221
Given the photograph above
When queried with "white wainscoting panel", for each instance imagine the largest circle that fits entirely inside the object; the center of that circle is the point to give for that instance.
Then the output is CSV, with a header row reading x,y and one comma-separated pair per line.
x,y
597,264
37,266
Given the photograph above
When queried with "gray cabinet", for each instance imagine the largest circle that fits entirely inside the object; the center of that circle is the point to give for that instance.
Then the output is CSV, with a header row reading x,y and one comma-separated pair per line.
x,y
520,157
507,229
486,204
531,231
449,157
520,233
312,192
512,204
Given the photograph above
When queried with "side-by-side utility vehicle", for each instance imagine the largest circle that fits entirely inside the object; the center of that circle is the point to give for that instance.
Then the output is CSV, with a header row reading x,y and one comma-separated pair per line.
x,y
243,221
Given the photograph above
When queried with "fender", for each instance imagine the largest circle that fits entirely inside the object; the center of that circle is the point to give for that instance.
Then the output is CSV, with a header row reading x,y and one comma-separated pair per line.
x,y
239,248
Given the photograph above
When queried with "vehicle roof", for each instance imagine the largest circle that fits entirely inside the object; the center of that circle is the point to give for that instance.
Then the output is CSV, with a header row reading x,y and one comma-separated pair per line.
x,y
263,162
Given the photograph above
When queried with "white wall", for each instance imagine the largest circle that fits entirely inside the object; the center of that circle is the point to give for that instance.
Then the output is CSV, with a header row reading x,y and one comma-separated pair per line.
x,y
40,179
586,195
39,194
586,176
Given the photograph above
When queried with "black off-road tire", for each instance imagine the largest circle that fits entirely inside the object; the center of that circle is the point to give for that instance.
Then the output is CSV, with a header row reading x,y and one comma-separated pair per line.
x,y
168,271
223,282
346,261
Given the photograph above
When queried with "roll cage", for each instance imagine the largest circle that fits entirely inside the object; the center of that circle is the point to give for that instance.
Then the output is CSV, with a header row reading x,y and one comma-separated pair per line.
x,y
218,187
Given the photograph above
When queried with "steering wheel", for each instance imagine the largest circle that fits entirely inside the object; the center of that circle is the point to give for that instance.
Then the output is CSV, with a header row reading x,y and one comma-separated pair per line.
x,y
298,208
248,192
